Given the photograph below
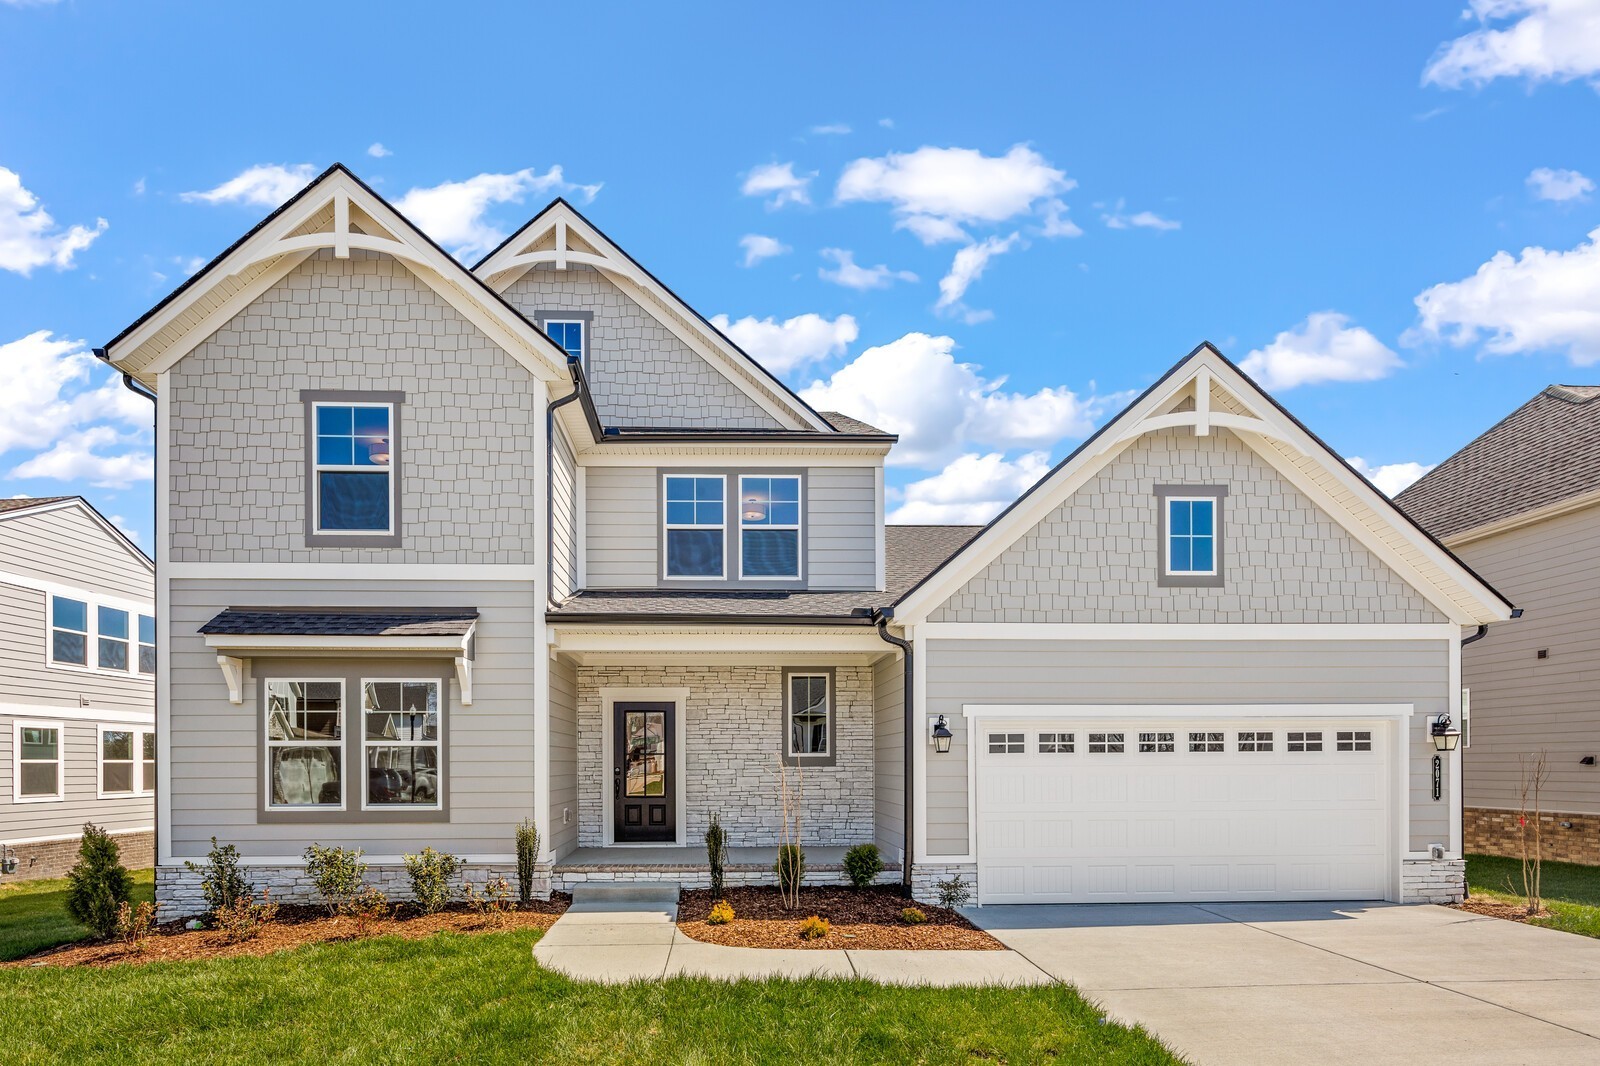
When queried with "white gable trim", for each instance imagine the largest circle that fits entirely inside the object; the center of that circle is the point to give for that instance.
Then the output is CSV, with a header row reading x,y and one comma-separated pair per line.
x,y
1267,431
514,258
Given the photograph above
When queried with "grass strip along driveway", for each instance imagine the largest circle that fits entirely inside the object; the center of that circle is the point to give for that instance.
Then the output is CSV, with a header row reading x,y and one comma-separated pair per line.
x,y
480,999
1571,892
33,914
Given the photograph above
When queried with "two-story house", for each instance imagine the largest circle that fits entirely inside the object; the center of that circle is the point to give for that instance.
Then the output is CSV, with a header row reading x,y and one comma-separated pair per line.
x,y
443,549
77,686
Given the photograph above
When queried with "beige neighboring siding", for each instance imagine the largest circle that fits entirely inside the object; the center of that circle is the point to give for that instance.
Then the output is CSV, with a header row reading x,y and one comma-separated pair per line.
x,y
216,770
562,832
80,766
889,745
621,526
842,536
27,676
68,547
470,428
1522,704
563,517
1094,558
1136,673
639,372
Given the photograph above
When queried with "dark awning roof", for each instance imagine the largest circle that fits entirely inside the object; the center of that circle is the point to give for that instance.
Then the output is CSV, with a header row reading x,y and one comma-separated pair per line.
x,y
342,622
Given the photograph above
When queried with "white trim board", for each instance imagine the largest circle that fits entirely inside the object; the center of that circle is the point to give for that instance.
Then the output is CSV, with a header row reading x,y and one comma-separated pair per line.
x,y
1219,711
17,842
1014,631
78,714
75,592
354,571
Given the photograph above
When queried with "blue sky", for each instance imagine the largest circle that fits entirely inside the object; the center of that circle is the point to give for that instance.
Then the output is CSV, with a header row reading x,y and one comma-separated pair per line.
x,y
1383,210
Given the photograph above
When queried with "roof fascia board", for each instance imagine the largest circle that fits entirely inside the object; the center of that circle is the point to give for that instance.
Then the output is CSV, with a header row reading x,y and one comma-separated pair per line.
x,y
1526,518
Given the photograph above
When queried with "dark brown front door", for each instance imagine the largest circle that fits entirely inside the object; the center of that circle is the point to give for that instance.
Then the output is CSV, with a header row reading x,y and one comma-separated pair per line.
x,y
644,774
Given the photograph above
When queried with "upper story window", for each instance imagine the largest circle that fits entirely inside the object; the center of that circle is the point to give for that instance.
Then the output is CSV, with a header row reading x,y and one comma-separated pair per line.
x,y
570,334
147,644
1190,542
695,527
113,650
305,743
769,527
69,631
353,468
36,771
90,636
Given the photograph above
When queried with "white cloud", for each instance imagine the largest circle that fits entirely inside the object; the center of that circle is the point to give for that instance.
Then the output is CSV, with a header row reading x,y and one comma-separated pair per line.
x,y
756,248
1118,218
937,192
74,458
968,266
377,151
1541,40
1539,301
29,237
1054,224
127,530
971,490
1391,478
263,185
780,182
1323,348
834,129
783,346
886,123
189,264
845,272
453,212
1559,185
913,386
138,187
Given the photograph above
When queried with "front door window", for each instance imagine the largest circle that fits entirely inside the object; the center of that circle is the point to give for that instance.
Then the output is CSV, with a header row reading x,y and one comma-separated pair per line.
x,y
643,782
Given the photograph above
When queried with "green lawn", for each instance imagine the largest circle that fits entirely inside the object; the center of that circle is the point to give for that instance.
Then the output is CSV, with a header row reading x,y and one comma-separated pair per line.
x,y
1571,892
33,914
481,999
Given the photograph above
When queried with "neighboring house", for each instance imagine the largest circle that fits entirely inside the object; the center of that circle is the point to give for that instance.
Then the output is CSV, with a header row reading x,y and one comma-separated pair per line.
x,y
441,550
77,686
1521,505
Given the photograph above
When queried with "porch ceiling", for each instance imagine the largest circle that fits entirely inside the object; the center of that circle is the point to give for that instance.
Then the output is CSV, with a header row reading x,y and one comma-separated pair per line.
x,y
770,645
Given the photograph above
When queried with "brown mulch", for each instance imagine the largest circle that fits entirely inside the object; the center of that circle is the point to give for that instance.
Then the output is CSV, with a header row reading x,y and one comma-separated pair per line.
x,y
861,918
1494,908
294,926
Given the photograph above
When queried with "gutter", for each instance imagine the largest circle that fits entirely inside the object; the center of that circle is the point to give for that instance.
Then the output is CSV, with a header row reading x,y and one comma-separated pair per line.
x,y
881,617
1483,631
633,617
576,371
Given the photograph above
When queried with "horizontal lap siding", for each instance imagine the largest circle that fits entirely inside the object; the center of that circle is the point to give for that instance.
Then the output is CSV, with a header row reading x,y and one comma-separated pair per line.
x,y
841,540
961,672
216,769
1522,704
26,677
889,739
67,547
562,832
621,527
80,768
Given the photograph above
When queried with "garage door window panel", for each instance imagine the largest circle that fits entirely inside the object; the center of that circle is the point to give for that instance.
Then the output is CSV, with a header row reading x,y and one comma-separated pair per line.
x,y
1057,743
1006,744
1154,743
1208,742
1304,742
1255,741
1353,740
1105,743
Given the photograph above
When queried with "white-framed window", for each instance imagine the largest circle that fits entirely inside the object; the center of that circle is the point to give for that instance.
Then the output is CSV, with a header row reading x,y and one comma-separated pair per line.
x,y
305,743
1105,743
1056,743
1303,742
1255,741
147,644
36,771
111,652
569,334
127,761
1353,740
1156,742
353,467
1208,742
694,526
769,526
1007,744
809,731
69,631
402,733
89,635
1191,547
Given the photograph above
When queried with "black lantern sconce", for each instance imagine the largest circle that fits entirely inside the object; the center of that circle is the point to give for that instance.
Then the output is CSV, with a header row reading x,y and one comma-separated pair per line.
x,y
941,735
1444,733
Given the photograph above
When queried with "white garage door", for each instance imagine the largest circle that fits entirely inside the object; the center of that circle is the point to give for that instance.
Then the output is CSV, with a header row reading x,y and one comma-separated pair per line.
x,y
1113,812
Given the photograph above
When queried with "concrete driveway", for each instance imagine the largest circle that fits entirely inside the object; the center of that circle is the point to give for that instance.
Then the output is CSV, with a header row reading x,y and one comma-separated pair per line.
x,y
1323,983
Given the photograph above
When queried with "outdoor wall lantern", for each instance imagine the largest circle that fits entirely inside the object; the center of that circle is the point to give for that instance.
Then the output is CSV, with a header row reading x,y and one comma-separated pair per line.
x,y
1445,735
941,735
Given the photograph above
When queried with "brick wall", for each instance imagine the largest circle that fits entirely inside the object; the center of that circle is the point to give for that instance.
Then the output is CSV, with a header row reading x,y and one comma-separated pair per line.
x,y
55,858
1562,837
734,732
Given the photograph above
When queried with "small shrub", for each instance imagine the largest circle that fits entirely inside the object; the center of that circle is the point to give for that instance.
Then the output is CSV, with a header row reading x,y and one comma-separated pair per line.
x,y
221,881
527,859
494,905
863,864
791,870
431,874
721,913
716,852
337,874
135,923
954,892
368,907
814,928
242,919
912,916
98,884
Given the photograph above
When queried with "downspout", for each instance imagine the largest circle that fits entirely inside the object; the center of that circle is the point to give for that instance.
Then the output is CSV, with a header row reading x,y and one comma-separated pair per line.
x,y
549,478
881,618
1483,631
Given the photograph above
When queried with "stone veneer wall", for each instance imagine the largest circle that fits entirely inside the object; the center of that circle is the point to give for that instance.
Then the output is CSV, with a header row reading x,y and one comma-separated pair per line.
x,y
733,740
1562,837
178,888
1433,880
925,877
54,858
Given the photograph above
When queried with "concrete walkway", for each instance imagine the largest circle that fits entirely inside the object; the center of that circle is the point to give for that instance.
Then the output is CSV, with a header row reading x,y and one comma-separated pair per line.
x,y
631,934
1323,983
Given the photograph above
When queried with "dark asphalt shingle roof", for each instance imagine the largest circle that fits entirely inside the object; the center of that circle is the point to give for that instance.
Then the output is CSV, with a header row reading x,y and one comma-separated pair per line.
x,y
30,501
845,424
911,553
1545,451
341,622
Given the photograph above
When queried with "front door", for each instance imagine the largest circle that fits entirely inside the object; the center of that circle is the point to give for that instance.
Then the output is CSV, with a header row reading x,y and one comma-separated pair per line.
x,y
644,774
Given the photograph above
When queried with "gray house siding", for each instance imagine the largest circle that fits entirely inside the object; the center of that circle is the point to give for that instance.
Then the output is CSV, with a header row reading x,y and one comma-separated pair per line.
x,y
621,527
841,545
470,437
640,373
26,675
1522,704
216,769
1094,559
889,749
563,517
563,828
1134,673
67,541
80,768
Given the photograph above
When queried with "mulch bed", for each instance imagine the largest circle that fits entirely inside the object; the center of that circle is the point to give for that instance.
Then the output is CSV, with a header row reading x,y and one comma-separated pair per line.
x,y
861,918
294,926
1494,908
